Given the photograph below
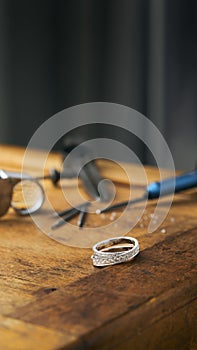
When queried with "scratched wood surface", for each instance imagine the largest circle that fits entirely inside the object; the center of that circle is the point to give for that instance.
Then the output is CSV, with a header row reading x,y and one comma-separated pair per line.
x,y
51,297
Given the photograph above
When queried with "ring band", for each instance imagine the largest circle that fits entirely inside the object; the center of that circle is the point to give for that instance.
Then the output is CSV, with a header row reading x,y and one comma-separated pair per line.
x,y
115,251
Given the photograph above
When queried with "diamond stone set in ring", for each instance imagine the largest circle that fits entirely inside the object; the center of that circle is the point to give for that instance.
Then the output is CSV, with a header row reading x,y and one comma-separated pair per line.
x,y
115,251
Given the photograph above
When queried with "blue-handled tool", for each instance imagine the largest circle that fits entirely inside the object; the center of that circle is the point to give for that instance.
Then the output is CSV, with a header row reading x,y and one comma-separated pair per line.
x,y
156,189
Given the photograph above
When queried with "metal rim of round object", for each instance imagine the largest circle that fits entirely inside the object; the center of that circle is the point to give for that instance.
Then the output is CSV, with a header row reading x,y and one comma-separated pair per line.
x,y
37,205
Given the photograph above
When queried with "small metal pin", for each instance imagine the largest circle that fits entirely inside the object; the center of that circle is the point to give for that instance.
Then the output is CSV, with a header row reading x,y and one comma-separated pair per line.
x,y
68,214
72,213
119,205
82,215
62,213
67,211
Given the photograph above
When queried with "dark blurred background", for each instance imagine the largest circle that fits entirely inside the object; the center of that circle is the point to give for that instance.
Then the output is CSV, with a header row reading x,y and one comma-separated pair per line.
x,y
140,53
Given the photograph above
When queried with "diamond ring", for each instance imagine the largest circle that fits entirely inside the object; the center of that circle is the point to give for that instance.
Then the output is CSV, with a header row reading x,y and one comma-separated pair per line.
x,y
115,251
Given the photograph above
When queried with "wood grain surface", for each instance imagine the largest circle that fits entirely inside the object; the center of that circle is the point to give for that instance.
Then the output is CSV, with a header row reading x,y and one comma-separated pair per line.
x,y
51,296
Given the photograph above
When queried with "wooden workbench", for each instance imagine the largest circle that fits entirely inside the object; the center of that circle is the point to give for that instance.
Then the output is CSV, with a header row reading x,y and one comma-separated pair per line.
x,y
51,296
